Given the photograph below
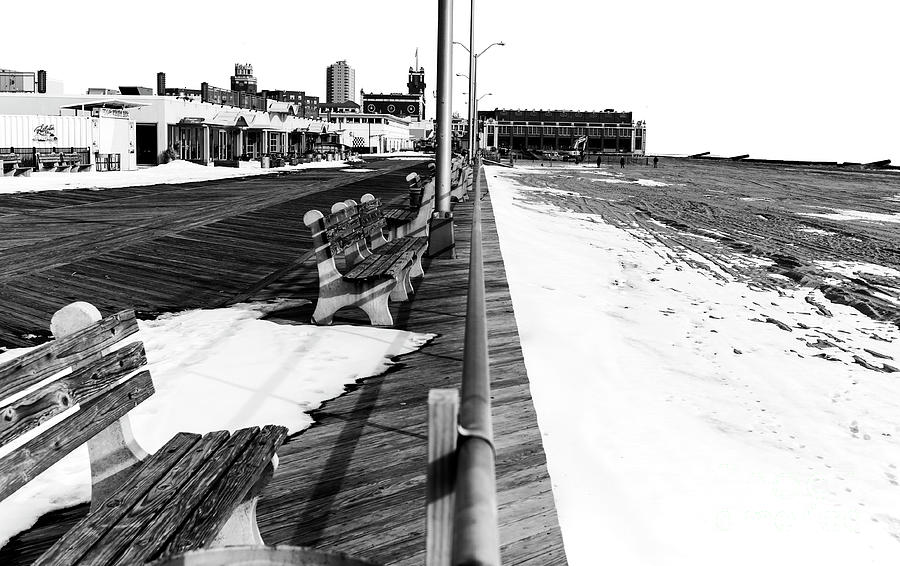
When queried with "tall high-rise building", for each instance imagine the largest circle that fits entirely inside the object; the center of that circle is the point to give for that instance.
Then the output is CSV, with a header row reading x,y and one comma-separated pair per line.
x,y
340,82
243,79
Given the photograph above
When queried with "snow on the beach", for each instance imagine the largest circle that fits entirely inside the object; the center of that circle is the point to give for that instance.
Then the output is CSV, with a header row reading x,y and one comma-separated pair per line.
x,y
850,215
169,173
682,424
222,369
851,268
818,231
642,182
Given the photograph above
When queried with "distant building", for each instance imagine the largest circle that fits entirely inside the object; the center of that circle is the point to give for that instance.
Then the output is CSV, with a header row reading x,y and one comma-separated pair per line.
x,y
145,129
552,130
292,96
340,82
243,79
371,133
310,106
100,91
28,81
348,107
136,90
410,105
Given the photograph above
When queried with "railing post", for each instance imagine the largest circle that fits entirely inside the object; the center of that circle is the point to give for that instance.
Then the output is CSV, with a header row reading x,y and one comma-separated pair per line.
x,y
443,407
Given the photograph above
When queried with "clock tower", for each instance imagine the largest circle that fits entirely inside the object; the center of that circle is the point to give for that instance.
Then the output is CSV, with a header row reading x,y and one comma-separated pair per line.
x,y
416,82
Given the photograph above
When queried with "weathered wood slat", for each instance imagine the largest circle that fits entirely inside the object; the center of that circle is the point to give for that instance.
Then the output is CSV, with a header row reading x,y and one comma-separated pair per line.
x,y
77,387
72,546
128,532
23,464
42,362
210,516
158,532
261,555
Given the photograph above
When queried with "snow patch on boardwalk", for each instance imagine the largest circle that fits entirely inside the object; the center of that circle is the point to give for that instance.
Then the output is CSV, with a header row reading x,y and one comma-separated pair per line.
x,y
686,418
171,173
222,369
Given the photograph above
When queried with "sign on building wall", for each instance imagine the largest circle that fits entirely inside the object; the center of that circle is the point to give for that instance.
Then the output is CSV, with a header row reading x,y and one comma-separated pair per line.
x,y
45,133
118,113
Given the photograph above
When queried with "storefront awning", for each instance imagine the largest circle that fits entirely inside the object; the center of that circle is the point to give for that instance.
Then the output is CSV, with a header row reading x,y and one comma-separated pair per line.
x,y
281,107
260,122
104,103
228,119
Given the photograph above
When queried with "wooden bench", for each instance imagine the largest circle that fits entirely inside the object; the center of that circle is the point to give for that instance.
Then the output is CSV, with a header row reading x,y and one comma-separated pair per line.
x,y
10,166
73,161
50,162
370,279
372,223
459,185
412,218
195,491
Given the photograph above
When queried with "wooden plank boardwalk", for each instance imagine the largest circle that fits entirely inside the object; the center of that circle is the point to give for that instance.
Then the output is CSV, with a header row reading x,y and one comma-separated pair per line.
x,y
355,481
164,247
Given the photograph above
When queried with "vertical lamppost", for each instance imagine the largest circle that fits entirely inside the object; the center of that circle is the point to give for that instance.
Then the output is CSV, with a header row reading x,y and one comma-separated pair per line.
x,y
473,85
472,70
441,240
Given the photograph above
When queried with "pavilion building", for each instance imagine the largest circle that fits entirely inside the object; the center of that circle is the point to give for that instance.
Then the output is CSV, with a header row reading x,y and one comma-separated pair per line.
x,y
554,130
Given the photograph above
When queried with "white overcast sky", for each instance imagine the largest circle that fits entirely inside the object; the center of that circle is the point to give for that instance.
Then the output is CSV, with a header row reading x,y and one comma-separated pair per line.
x,y
773,78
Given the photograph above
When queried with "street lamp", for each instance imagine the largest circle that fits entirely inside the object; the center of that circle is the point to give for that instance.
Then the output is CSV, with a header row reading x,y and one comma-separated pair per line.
x,y
473,74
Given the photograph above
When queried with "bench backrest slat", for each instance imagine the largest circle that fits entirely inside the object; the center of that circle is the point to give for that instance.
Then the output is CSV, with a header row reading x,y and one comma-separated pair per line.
x,y
341,230
371,217
22,465
78,387
73,351
102,385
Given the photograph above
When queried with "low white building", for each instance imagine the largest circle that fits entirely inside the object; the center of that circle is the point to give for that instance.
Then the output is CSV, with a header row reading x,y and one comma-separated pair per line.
x,y
193,130
106,138
374,133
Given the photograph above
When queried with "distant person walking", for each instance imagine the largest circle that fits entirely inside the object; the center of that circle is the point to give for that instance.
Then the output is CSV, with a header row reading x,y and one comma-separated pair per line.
x,y
599,160
622,162
655,161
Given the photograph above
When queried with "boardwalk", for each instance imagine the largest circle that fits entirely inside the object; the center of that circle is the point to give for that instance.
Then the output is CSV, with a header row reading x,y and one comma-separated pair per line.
x,y
354,481
164,247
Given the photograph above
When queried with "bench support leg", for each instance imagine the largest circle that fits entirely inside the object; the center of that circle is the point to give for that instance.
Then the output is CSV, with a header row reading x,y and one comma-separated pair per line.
x,y
113,453
372,299
416,269
114,450
241,528
378,310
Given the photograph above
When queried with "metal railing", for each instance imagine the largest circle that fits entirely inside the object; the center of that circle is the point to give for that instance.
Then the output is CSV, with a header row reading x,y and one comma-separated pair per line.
x,y
237,99
462,515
